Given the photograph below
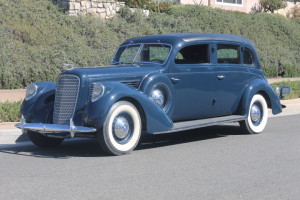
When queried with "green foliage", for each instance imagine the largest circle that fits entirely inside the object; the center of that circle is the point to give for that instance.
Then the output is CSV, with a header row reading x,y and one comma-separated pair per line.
x,y
295,88
272,5
37,38
152,5
10,111
142,4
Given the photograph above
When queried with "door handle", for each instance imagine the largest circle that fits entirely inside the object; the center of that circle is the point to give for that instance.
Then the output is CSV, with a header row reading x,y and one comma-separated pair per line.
x,y
221,77
175,80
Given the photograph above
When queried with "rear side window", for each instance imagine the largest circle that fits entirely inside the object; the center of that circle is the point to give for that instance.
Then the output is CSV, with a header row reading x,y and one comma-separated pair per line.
x,y
248,58
194,54
228,54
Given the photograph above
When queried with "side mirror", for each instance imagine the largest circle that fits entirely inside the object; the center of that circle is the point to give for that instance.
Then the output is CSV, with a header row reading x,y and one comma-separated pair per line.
x,y
282,91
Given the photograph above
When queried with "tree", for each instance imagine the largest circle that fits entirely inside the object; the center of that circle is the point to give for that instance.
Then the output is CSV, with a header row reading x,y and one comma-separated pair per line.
x,y
272,5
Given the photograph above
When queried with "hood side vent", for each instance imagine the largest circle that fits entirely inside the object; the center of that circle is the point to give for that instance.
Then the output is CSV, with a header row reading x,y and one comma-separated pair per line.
x,y
134,84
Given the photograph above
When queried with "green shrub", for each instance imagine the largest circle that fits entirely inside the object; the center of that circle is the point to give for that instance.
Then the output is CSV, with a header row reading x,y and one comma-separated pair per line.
x,y
10,111
152,5
36,41
143,4
272,5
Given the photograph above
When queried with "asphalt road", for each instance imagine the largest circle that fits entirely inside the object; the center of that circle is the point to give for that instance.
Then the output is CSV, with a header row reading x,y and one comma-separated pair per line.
x,y
210,163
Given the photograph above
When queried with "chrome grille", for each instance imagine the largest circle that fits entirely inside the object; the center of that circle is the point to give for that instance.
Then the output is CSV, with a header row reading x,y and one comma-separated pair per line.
x,y
134,84
65,99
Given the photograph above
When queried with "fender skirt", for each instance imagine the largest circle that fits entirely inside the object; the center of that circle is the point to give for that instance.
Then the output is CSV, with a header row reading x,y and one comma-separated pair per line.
x,y
155,119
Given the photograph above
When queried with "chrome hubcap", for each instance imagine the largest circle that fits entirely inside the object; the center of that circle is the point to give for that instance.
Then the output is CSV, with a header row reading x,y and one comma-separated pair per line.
x,y
255,113
121,127
158,97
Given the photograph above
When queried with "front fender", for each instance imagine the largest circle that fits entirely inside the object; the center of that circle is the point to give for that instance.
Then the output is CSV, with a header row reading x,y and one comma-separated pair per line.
x,y
260,86
158,78
39,107
96,112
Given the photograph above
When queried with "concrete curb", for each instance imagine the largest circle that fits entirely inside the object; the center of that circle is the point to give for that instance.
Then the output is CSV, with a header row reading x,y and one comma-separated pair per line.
x,y
9,134
12,136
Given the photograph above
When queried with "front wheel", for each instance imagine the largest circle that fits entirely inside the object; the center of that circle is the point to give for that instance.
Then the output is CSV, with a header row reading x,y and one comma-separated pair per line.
x,y
257,116
121,129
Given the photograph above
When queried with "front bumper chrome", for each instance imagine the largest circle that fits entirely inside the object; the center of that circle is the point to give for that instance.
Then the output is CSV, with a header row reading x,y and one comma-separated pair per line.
x,y
54,128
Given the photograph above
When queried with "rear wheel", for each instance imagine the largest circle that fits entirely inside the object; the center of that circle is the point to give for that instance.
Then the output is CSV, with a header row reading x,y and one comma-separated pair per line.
x,y
121,129
257,116
43,141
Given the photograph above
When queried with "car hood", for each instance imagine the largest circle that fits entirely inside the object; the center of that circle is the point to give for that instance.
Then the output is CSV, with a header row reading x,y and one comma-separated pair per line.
x,y
113,73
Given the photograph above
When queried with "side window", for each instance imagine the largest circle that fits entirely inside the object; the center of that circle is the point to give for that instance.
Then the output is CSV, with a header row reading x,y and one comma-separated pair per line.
x,y
248,58
129,52
194,54
156,53
228,54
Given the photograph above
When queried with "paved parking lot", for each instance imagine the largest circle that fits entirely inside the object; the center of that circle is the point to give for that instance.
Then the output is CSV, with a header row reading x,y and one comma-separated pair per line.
x,y
210,163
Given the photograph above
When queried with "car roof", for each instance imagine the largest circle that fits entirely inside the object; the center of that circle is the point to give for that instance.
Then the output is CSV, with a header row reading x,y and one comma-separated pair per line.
x,y
189,37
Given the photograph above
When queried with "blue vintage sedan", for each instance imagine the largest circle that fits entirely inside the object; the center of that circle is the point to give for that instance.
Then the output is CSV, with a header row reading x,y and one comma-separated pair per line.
x,y
154,84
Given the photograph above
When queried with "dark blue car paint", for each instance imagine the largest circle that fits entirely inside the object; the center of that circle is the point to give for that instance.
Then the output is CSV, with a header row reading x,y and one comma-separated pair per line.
x,y
39,108
154,78
260,86
155,118
197,94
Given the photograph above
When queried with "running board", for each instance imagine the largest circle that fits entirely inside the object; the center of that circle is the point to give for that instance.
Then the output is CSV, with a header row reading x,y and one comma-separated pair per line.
x,y
187,125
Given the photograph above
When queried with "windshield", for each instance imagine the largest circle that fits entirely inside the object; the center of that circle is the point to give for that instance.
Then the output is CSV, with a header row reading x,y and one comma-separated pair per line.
x,y
145,53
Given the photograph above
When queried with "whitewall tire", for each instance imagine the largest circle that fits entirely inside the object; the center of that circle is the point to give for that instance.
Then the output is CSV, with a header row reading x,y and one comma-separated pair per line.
x,y
257,115
121,130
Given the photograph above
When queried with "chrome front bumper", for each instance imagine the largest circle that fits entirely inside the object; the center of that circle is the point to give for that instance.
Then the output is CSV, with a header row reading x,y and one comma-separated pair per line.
x,y
54,128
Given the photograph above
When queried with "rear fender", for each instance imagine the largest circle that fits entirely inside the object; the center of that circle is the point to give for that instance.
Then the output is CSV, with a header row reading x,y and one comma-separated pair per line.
x,y
156,119
260,86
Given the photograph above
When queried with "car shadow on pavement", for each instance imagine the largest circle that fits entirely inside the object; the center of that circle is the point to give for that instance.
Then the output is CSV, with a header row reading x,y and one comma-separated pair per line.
x,y
213,132
90,148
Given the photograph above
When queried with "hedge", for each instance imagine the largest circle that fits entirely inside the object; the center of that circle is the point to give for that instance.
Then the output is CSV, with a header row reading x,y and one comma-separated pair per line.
x,y
10,111
37,38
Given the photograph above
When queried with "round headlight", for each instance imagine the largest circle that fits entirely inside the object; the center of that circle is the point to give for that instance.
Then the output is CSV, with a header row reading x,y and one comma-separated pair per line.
x,y
158,97
97,91
31,91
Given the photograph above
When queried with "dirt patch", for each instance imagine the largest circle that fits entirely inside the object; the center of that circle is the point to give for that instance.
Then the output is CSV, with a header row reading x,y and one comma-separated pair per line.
x,y
12,95
276,80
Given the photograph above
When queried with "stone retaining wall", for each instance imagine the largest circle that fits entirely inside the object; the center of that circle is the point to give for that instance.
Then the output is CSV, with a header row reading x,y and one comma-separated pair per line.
x,y
102,8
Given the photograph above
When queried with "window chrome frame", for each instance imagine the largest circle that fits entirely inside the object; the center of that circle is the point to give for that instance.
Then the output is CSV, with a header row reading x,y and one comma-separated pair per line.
x,y
230,4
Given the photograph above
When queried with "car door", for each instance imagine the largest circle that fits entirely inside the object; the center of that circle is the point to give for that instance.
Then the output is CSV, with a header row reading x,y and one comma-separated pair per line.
x,y
231,77
193,80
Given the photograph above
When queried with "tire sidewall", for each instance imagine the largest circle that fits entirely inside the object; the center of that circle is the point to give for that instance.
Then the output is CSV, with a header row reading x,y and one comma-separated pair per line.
x,y
254,129
112,145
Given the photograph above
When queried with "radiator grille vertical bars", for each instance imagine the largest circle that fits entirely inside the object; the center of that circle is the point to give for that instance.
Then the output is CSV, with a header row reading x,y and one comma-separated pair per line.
x,y
65,98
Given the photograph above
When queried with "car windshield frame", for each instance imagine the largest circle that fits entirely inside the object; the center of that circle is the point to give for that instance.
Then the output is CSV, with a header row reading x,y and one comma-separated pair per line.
x,y
138,52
